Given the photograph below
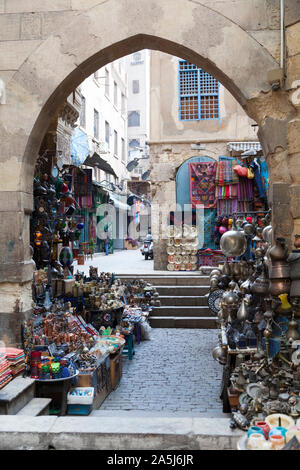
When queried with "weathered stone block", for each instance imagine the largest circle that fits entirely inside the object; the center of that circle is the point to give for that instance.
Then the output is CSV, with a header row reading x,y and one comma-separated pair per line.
x,y
293,39
31,26
293,137
279,193
294,194
14,53
293,70
16,6
9,27
83,5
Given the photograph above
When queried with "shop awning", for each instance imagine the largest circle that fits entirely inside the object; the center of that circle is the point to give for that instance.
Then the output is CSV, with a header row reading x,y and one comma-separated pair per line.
x,y
243,146
118,203
96,161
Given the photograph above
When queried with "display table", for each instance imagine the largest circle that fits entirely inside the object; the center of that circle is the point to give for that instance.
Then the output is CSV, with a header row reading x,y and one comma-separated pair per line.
x,y
57,389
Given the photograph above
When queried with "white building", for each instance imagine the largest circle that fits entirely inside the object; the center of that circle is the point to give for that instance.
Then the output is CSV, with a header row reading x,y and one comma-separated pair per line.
x,y
138,71
103,120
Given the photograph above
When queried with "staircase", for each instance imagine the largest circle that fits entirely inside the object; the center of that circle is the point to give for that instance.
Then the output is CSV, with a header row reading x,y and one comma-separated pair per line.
x,y
183,300
17,398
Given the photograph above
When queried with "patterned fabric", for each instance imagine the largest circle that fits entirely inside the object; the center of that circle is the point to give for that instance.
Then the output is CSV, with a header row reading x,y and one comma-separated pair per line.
x,y
209,228
202,184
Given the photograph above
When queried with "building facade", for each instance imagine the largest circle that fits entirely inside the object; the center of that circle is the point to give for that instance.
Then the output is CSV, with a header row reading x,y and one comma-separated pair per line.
x,y
102,127
191,115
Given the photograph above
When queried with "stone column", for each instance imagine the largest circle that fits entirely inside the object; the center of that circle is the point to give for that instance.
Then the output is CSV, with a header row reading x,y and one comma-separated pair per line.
x,y
16,265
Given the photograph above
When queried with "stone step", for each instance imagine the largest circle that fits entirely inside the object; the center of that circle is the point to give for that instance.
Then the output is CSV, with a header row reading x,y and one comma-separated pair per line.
x,y
185,290
183,322
36,407
15,395
186,300
181,311
118,432
172,280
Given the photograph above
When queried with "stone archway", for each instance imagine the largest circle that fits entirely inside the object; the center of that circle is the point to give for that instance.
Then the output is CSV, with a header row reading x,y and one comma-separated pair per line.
x,y
44,67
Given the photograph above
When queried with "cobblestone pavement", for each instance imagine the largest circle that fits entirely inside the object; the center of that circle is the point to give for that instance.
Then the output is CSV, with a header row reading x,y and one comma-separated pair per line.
x,y
174,371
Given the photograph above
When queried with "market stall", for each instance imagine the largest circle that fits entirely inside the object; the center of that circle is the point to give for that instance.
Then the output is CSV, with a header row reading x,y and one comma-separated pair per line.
x,y
78,336
256,298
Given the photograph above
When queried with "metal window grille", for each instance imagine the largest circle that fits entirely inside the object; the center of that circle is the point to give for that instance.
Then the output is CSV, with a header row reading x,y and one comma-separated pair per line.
x,y
198,93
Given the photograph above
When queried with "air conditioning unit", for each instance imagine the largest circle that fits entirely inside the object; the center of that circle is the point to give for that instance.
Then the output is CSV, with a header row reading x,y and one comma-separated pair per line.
x,y
103,147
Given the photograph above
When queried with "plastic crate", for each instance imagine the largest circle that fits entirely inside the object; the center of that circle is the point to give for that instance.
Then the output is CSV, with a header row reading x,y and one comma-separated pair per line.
x,y
83,410
81,399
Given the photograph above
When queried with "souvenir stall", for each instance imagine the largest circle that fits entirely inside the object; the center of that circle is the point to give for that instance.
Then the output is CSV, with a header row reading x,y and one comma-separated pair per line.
x,y
257,302
78,335
224,188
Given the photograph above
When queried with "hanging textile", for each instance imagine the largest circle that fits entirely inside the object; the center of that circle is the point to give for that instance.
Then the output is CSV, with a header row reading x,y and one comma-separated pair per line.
x,y
209,228
202,184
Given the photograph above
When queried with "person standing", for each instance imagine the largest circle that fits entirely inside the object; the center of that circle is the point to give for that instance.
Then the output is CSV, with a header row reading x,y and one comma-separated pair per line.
x,y
106,244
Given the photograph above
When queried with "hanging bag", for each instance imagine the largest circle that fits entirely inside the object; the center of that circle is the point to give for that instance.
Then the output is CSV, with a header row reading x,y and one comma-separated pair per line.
x,y
250,174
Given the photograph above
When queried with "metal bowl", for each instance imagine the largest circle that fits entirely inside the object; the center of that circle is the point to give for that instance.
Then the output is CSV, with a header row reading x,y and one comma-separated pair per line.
x,y
233,243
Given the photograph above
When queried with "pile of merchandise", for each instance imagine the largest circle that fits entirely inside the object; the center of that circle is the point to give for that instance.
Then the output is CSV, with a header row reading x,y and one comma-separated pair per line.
x,y
258,306
5,370
87,321
182,248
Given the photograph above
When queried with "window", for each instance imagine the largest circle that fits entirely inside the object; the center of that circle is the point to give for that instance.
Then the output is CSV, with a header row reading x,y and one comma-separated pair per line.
x,y
123,104
83,112
123,149
198,93
115,94
137,58
115,143
134,119
96,124
107,82
134,143
107,132
135,86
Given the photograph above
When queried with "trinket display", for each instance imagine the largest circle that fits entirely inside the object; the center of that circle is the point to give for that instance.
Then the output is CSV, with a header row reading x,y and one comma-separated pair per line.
x,y
182,248
258,316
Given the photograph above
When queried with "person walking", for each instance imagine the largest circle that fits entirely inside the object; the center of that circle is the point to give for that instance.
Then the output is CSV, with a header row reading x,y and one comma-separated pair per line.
x,y
106,244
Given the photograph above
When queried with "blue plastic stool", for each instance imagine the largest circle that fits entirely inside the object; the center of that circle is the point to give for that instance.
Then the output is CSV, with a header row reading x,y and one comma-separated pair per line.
x,y
129,347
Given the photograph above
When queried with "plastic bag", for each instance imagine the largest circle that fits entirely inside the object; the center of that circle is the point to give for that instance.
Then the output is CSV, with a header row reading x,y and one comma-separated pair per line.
x,y
145,330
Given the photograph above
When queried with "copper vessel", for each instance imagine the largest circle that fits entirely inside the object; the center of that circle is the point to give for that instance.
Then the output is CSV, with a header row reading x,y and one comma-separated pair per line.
x,y
279,286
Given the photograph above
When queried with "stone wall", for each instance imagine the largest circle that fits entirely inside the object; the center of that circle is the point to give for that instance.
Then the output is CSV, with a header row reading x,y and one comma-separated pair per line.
x,y
165,160
47,48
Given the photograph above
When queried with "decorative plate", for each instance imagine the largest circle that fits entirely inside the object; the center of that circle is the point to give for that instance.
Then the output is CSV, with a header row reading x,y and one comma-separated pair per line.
x,y
171,250
195,267
177,267
177,232
177,259
171,258
186,230
193,259
254,390
177,241
170,267
194,232
170,231
193,251
170,242
178,250
185,259
189,266
214,299
182,267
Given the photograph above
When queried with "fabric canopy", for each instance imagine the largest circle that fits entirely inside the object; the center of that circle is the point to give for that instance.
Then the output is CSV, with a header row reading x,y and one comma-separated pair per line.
x,y
97,161
119,204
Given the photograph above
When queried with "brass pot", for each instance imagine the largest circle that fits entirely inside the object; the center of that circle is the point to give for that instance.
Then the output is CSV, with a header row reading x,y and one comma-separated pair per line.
x,y
260,285
279,286
279,269
279,251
